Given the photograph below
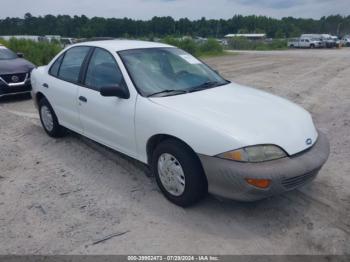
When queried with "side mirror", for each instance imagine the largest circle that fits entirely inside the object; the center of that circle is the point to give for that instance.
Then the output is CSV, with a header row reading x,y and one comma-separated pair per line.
x,y
116,90
20,55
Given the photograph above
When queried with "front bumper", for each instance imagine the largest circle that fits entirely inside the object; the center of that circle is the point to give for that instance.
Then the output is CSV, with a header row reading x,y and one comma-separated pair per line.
x,y
227,178
7,90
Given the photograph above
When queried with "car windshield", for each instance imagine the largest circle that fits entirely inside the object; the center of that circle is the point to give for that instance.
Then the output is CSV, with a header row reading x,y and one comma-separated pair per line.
x,y
168,71
6,54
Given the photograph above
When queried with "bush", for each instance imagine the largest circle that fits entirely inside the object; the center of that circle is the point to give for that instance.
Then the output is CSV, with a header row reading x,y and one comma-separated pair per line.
x,y
242,43
187,44
39,53
209,47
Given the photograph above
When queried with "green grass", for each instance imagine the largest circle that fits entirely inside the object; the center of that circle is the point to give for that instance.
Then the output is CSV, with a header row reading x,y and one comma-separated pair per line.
x,y
242,43
39,53
211,47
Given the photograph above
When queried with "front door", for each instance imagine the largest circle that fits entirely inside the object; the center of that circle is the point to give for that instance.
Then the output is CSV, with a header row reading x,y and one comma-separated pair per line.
x,y
108,120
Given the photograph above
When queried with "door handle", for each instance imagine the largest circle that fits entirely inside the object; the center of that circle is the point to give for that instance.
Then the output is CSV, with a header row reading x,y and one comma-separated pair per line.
x,y
83,99
45,85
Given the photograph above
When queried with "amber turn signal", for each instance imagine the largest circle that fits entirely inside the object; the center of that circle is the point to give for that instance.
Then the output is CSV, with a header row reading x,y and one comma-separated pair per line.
x,y
233,155
260,183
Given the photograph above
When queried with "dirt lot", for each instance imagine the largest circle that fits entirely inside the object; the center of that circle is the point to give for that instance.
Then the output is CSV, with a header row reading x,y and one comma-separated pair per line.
x,y
59,196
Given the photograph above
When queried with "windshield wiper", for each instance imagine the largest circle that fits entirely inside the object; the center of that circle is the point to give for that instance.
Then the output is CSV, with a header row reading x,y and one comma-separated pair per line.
x,y
205,85
169,92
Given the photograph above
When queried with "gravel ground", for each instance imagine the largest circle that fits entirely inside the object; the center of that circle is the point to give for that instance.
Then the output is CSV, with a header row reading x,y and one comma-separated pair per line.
x,y
60,196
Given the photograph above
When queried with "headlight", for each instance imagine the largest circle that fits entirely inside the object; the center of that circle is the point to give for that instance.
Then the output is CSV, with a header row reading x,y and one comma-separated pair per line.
x,y
255,154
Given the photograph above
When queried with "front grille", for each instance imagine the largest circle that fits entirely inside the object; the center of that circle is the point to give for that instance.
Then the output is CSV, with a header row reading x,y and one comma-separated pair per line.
x,y
8,78
293,182
6,90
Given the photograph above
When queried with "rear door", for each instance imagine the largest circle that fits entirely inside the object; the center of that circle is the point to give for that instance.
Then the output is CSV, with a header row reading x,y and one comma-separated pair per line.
x,y
62,86
108,120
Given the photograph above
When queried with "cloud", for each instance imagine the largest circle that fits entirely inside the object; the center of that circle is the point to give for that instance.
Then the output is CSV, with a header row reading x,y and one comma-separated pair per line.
x,y
193,9
275,4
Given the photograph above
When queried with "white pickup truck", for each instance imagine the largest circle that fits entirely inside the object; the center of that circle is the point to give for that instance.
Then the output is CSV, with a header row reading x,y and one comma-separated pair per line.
x,y
304,43
346,41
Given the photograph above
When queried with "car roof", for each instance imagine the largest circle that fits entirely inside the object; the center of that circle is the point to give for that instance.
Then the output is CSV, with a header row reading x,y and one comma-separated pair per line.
x,y
119,45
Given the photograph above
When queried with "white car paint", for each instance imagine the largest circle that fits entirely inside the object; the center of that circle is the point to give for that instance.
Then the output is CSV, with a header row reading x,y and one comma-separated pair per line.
x,y
236,116
211,122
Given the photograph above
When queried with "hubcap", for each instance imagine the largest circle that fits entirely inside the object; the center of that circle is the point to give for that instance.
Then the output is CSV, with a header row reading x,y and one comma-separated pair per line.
x,y
171,174
47,118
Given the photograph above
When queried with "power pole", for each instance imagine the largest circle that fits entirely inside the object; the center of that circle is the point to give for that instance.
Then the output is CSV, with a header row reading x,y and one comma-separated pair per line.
x,y
338,28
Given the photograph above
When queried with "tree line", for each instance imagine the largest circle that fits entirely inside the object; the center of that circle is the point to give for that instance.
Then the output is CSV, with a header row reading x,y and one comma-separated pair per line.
x,y
84,27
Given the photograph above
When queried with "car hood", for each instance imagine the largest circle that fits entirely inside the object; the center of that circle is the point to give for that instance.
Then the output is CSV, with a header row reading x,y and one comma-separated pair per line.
x,y
248,115
13,66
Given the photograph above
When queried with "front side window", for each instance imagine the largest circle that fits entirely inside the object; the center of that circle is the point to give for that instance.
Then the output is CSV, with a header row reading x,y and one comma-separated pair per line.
x,y
7,54
102,71
168,71
71,64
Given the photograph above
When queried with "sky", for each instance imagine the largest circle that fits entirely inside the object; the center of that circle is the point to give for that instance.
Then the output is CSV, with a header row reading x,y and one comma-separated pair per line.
x,y
192,9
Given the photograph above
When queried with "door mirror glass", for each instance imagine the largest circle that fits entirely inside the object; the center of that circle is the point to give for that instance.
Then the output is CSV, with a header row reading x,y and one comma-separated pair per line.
x,y
116,90
20,55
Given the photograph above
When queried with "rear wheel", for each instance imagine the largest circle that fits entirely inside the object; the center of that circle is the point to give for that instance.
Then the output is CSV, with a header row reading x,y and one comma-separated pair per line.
x,y
49,119
312,46
179,173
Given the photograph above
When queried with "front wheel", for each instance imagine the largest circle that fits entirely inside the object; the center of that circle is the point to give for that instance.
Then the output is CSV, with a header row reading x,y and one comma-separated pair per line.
x,y
179,173
49,119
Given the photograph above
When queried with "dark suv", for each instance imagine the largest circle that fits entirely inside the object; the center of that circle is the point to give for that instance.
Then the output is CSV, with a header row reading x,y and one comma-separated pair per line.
x,y
14,73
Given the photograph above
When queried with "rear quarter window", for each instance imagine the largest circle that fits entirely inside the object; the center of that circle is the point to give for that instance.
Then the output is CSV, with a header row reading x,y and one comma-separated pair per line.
x,y
56,66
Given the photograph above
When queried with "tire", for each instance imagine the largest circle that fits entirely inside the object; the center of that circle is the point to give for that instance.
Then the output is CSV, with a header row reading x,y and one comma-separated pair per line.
x,y
193,186
50,124
312,46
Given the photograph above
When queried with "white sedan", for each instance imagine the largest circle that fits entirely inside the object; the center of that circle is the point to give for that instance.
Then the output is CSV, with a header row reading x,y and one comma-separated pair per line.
x,y
197,131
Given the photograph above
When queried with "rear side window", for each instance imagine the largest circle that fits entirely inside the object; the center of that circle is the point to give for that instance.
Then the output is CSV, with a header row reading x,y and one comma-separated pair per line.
x,y
71,64
56,66
102,71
